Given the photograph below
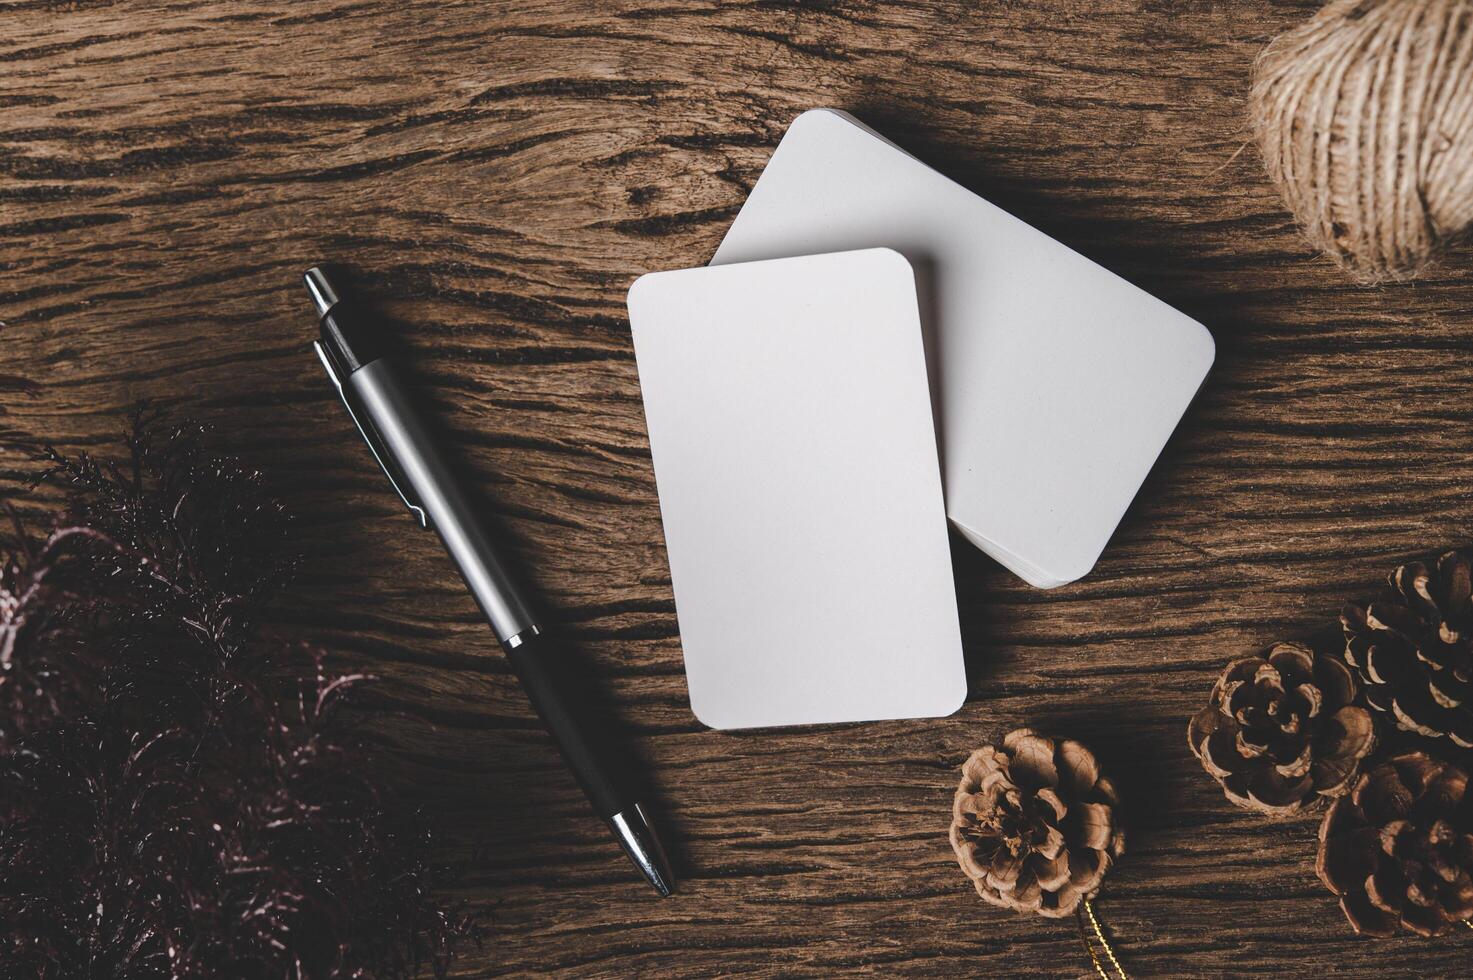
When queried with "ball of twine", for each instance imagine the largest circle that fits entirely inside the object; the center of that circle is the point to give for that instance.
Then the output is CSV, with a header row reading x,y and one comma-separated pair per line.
x,y
1364,114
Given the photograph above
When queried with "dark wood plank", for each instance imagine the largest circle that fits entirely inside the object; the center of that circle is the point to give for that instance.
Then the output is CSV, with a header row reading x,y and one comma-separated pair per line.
x,y
499,173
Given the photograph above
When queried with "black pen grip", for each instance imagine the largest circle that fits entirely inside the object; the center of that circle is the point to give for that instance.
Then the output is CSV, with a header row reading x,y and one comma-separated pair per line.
x,y
552,678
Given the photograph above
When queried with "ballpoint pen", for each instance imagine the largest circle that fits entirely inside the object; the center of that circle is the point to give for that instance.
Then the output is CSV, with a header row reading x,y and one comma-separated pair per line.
x,y
352,351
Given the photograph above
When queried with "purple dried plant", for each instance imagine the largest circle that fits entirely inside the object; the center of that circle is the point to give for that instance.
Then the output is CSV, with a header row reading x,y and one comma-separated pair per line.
x,y
180,796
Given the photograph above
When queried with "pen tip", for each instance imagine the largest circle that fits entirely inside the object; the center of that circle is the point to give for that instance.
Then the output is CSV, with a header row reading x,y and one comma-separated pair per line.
x,y
324,293
639,841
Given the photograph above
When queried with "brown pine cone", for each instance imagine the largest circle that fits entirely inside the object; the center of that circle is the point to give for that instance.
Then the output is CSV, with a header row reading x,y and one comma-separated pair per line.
x,y
1413,648
1033,824
1279,731
1399,849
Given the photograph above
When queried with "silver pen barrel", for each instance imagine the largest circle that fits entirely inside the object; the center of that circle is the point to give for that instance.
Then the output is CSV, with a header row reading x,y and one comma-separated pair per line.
x,y
387,407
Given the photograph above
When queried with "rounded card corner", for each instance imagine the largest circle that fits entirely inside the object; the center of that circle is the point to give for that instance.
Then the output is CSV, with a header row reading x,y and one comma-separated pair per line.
x,y
704,716
951,707
1073,572
636,287
1208,344
894,257
815,114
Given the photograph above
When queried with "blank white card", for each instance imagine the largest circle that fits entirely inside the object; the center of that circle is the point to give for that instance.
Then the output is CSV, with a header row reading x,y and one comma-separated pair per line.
x,y
1058,382
790,422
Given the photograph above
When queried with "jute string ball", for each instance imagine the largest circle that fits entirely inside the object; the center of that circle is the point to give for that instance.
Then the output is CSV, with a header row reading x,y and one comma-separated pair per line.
x,y
1364,115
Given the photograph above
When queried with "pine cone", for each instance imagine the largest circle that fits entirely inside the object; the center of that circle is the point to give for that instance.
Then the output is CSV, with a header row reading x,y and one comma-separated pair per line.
x,y
1279,731
1399,848
1033,824
1413,648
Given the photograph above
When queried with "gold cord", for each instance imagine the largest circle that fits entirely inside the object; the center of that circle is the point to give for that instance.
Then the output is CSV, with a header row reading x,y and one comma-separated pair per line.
x,y
1087,908
1084,938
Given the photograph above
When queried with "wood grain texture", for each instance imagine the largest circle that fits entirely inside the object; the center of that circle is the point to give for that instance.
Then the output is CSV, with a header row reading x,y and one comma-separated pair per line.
x,y
498,173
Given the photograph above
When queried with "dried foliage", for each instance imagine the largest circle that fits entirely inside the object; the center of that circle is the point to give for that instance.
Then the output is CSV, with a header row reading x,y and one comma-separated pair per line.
x,y
181,796
1034,824
1280,731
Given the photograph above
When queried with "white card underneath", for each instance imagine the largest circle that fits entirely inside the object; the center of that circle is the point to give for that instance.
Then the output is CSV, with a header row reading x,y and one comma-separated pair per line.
x,y
790,424
1059,382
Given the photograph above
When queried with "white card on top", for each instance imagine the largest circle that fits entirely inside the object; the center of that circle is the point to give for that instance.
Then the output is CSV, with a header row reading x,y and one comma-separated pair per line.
x,y
790,424
1058,382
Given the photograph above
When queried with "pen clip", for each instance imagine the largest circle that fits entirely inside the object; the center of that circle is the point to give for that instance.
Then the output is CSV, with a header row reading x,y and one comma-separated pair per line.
x,y
370,435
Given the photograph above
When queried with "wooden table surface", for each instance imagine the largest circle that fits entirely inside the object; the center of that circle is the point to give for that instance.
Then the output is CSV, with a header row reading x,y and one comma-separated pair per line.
x,y
497,173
